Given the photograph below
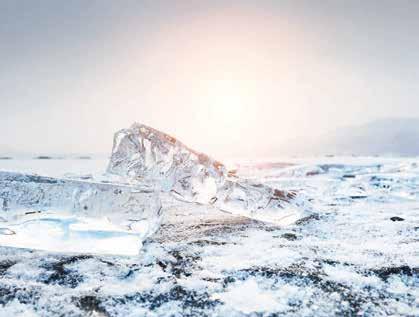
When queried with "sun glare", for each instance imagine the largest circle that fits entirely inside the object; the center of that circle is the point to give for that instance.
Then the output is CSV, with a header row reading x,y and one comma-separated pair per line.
x,y
225,106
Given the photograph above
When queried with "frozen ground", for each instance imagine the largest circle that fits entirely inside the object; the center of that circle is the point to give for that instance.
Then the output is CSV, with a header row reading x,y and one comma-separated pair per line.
x,y
358,256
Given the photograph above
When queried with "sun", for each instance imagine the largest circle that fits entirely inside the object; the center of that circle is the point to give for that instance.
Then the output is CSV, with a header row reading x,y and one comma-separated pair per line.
x,y
227,104
225,114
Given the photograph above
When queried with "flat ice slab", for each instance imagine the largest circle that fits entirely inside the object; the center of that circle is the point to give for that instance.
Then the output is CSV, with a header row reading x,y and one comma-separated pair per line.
x,y
58,232
63,215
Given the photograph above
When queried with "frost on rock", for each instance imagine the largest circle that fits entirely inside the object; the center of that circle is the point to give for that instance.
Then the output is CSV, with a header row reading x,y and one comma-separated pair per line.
x,y
353,259
75,216
143,153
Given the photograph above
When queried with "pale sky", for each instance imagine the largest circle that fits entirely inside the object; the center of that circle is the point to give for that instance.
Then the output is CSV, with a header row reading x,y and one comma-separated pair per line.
x,y
230,78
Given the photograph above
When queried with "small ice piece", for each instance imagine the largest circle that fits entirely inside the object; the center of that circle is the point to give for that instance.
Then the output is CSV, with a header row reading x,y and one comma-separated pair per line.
x,y
63,215
142,153
261,202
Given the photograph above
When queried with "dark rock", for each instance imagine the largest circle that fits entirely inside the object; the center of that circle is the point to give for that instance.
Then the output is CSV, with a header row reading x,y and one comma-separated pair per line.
x,y
396,218
348,176
189,299
228,280
358,197
43,157
7,294
308,219
91,304
289,236
5,265
22,295
62,276
193,303
183,264
207,242
385,272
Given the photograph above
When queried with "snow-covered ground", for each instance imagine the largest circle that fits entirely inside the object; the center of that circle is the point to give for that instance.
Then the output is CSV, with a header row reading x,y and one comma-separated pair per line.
x,y
357,256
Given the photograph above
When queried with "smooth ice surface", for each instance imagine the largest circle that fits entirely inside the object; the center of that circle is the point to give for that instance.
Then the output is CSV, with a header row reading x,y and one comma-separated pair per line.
x,y
143,153
64,215
357,257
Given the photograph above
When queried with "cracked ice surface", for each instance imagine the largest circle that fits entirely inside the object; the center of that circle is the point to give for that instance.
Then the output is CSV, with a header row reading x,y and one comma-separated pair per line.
x,y
358,256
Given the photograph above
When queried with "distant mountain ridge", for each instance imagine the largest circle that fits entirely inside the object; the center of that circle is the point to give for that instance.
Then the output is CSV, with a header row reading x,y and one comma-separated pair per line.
x,y
392,136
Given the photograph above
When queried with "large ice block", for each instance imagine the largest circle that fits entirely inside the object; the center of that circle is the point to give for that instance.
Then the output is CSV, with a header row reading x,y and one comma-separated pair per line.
x,y
142,153
76,216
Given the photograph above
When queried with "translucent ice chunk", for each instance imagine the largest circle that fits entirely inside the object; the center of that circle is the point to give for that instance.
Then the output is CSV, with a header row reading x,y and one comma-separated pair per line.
x,y
142,153
76,216
262,202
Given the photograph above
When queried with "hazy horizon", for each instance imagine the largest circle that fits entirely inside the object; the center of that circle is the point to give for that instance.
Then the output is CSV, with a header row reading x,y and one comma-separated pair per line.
x,y
229,79
345,140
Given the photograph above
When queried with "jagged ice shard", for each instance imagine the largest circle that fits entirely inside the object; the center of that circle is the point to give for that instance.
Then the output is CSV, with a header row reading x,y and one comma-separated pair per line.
x,y
65,215
142,153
